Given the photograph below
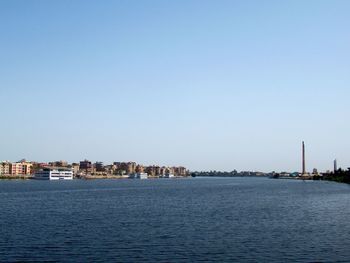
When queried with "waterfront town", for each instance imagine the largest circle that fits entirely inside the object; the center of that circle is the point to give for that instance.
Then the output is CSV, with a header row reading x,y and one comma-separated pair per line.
x,y
86,169
98,170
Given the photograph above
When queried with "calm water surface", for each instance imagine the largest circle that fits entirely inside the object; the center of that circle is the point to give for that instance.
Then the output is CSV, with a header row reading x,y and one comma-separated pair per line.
x,y
175,220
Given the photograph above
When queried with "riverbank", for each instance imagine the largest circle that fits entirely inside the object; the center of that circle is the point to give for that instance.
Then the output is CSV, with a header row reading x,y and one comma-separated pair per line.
x,y
340,176
94,177
85,177
330,177
16,177
338,179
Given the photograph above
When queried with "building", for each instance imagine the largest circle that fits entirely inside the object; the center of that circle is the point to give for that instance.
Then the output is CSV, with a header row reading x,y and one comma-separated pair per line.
x,y
162,171
180,171
152,170
4,168
119,168
75,168
184,172
27,168
85,166
99,167
16,169
131,168
110,169
51,173
59,163
140,168
125,167
170,170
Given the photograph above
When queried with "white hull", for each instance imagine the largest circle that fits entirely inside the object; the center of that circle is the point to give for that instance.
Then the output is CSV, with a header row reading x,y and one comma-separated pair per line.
x,y
47,178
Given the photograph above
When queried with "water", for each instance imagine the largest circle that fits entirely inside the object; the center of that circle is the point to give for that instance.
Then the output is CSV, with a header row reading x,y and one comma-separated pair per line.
x,y
175,220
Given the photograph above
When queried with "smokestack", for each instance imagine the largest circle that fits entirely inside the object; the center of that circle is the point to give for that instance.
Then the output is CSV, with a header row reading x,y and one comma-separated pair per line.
x,y
335,165
303,158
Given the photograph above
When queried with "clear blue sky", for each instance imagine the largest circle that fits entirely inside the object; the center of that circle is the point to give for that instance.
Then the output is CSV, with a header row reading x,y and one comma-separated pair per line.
x,y
211,85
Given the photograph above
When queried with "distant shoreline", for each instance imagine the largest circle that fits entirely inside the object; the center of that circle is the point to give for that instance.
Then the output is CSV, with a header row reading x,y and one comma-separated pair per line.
x,y
16,177
88,177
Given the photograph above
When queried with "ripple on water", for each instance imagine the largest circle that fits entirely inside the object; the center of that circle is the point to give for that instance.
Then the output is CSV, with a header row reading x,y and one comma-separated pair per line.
x,y
225,219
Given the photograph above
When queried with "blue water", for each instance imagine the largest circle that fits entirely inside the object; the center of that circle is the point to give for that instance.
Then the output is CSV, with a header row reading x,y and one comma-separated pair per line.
x,y
175,220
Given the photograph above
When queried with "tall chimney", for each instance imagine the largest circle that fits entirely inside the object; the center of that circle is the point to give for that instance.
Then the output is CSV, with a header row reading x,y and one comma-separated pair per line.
x,y
303,158
335,165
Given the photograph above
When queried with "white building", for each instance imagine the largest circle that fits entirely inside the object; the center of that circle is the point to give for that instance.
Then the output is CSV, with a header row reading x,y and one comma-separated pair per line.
x,y
54,174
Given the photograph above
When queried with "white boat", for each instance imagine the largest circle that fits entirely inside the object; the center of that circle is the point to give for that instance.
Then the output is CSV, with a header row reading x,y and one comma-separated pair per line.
x,y
54,174
139,176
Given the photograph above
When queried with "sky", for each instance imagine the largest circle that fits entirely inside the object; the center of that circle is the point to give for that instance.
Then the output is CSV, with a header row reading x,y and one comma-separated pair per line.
x,y
210,85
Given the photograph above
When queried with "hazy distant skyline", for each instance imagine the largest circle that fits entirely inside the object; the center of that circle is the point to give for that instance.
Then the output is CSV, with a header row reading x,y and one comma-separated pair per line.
x,y
210,85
